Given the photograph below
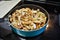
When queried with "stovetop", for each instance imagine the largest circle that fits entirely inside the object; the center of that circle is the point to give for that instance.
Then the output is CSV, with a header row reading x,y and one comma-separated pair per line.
x,y
52,31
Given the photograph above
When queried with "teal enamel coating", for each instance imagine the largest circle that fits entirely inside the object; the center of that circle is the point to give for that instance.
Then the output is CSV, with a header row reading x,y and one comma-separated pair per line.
x,y
29,33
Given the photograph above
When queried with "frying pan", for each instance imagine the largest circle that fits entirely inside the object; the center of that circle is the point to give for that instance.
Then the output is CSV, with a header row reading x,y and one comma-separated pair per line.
x,y
33,32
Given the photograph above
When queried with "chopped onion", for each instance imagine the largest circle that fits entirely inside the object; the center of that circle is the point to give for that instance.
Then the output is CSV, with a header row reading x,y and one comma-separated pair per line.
x,y
23,13
34,11
34,26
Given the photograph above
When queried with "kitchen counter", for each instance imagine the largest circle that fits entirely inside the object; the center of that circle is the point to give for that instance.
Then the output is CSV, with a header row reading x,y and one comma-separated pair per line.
x,y
6,6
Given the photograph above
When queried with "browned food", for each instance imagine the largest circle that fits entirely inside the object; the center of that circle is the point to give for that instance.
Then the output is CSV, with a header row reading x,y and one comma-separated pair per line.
x,y
28,19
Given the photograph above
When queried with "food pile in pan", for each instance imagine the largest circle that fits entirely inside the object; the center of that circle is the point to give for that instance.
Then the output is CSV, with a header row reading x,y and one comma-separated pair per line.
x,y
27,19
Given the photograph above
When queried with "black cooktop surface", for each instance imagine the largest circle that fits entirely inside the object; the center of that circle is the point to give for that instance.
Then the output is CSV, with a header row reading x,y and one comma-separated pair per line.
x,y
52,31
